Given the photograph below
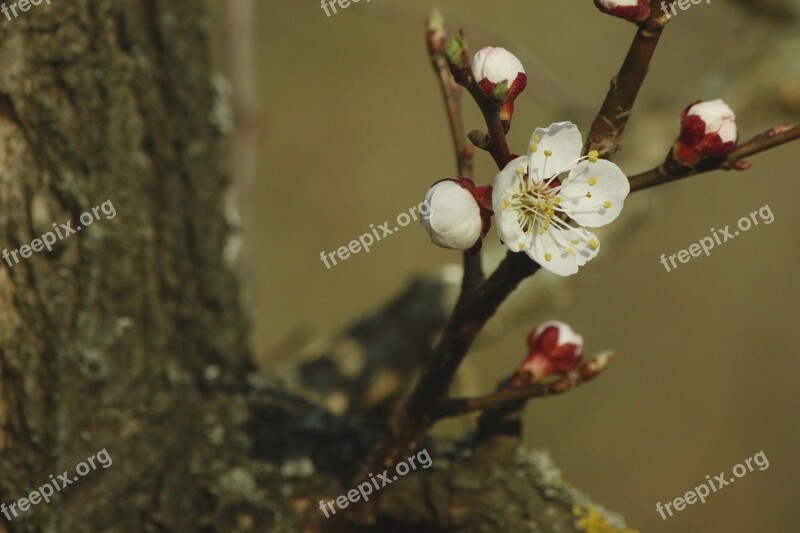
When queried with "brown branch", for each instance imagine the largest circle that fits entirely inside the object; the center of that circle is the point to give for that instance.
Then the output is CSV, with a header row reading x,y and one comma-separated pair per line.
x,y
491,114
452,99
609,125
464,151
416,415
477,303
498,147
505,395
735,161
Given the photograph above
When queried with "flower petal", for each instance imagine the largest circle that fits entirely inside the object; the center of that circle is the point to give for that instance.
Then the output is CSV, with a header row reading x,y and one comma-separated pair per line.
x,y
562,141
562,251
593,194
505,184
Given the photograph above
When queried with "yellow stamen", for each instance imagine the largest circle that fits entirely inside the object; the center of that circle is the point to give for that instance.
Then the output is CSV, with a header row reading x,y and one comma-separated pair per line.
x,y
541,231
576,241
570,250
558,199
592,181
506,203
536,138
607,204
594,244
534,148
588,195
593,155
547,257
548,153
522,246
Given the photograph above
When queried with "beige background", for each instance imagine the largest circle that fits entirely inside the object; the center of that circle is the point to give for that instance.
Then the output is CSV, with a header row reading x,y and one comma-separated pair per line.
x,y
706,366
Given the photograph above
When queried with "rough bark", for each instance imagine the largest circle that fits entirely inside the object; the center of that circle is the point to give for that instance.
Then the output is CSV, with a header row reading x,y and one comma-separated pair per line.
x,y
106,341
128,335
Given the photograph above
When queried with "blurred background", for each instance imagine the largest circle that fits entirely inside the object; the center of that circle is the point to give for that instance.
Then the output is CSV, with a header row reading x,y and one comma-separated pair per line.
x,y
353,131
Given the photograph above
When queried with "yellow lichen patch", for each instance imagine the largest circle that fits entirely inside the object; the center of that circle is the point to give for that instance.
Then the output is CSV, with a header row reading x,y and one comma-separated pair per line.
x,y
591,520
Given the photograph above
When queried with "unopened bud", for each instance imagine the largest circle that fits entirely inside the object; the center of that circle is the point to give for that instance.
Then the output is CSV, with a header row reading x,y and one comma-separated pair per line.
x,y
457,216
631,10
708,131
499,73
554,349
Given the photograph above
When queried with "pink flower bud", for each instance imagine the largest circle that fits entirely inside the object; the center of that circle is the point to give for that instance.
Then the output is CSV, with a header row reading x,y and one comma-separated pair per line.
x,y
457,216
630,10
708,131
554,349
493,66
710,127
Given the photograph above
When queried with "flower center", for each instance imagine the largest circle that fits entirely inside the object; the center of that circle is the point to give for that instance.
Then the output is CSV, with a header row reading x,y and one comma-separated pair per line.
x,y
535,204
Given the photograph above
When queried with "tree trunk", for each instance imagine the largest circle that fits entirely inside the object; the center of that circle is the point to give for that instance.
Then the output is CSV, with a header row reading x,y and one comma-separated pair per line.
x,y
107,340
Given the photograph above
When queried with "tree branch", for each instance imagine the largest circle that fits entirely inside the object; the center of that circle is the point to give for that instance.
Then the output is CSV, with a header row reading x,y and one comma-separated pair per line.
x,y
451,92
735,161
416,415
606,131
505,395
498,147
491,114
452,99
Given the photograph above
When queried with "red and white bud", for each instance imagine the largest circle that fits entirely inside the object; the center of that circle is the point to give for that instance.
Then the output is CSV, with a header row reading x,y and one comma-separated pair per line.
x,y
708,130
630,10
456,216
554,349
494,66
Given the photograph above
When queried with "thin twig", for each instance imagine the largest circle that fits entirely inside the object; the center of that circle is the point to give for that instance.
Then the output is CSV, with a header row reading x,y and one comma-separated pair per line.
x,y
464,151
491,114
613,116
452,99
506,395
735,160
